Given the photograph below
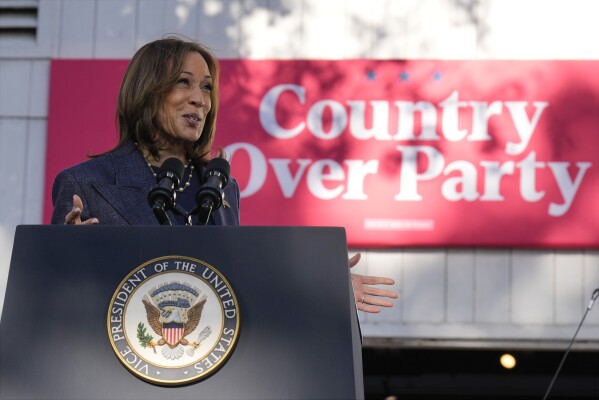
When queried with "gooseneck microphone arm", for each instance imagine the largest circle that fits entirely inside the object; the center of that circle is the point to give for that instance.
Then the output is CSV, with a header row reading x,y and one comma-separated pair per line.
x,y
211,196
162,197
160,214
594,297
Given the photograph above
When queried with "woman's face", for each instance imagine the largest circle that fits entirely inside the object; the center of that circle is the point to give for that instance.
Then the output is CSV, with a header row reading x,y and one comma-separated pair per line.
x,y
186,105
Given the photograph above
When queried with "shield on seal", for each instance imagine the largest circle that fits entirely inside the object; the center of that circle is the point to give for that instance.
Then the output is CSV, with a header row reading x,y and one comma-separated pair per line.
x,y
172,332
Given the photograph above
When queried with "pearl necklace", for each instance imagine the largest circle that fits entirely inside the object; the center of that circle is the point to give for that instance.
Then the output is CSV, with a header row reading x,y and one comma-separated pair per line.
x,y
180,188
189,164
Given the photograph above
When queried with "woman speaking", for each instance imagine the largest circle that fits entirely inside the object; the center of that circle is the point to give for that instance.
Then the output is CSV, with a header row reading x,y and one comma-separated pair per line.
x,y
167,108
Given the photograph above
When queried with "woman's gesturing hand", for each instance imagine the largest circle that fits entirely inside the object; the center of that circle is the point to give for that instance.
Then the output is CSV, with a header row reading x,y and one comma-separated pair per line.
x,y
74,216
368,298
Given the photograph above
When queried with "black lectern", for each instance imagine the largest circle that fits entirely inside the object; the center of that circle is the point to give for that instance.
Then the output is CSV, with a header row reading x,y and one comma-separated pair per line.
x,y
298,329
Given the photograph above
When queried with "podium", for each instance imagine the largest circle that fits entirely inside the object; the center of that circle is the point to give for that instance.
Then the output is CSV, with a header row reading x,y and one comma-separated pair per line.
x,y
298,330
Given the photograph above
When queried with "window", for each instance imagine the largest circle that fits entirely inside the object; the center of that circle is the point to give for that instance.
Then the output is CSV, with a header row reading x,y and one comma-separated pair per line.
x,y
18,21
27,28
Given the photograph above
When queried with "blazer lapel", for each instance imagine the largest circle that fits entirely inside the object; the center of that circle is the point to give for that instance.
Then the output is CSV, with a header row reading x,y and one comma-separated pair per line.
x,y
128,196
133,183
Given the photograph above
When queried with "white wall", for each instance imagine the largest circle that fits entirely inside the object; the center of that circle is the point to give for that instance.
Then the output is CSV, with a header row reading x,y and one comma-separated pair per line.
x,y
461,297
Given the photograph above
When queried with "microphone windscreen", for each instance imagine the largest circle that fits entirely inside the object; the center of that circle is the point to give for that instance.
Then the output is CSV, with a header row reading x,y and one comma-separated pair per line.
x,y
219,164
173,165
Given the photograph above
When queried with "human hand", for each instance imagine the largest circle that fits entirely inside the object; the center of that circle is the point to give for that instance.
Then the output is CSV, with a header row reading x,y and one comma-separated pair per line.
x,y
369,299
74,216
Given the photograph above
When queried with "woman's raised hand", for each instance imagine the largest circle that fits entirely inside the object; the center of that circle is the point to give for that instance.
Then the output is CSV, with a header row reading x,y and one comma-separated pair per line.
x,y
370,299
74,216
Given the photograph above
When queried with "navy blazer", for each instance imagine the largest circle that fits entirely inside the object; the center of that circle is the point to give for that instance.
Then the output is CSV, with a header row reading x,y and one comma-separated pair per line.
x,y
114,188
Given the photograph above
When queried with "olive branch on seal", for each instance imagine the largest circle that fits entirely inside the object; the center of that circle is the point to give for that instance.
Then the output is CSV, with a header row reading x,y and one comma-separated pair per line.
x,y
144,338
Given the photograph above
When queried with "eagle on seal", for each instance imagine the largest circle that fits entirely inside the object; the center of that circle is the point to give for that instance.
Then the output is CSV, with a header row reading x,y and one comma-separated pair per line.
x,y
174,318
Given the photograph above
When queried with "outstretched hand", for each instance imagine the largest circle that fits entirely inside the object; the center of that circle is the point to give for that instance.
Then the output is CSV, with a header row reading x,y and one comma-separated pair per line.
x,y
370,299
74,216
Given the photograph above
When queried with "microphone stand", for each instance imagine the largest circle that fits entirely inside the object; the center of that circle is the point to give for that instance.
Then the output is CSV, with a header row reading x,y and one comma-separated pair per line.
x,y
593,298
204,213
160,213
163,196
211,195
212,202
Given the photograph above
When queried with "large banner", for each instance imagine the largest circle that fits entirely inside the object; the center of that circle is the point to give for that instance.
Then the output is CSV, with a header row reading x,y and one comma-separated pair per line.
x,y
400,153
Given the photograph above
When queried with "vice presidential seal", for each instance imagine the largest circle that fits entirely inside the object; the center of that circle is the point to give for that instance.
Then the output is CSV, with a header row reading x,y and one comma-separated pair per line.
x,y
173,320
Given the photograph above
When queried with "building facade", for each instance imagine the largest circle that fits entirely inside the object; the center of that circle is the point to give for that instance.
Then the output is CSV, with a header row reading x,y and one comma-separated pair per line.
x,y
449,297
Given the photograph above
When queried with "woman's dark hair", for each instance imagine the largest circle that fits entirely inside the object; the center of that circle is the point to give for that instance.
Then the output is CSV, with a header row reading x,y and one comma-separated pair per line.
x,y
151,74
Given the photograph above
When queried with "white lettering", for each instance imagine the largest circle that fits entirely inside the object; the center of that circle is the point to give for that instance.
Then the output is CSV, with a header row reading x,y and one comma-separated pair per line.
x,y
317,176
567,187
356,174
258,166
287,181
467,181
528,174
409,176
380,120
405,129
315,119
481,113
450,119
267,111
524,126
493,174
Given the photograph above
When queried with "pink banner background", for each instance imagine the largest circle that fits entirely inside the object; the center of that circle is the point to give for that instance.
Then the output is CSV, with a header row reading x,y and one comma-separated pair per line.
x,y
505,153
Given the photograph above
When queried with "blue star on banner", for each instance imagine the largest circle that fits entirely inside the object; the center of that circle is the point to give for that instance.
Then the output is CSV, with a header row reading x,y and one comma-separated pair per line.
x,y
403,76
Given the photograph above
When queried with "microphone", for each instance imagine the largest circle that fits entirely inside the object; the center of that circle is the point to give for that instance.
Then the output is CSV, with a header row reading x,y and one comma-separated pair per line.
x,y
162,196
211,196
594,297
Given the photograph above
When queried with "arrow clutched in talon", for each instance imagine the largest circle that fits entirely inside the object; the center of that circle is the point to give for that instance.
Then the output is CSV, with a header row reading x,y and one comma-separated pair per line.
x,y
207,331
152,345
